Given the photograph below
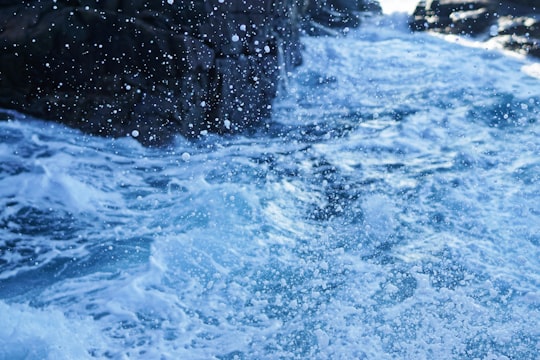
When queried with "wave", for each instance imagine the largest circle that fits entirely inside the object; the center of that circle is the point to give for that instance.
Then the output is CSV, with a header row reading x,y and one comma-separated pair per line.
x,y
388,209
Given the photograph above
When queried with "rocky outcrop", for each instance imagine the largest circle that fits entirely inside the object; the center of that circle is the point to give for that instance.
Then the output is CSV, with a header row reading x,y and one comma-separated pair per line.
x,y
454,16
322,17
152,69
519,30
515,24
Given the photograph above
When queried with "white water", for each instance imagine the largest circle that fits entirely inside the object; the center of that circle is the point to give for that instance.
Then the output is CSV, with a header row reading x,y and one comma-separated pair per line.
x,y
389,210
393,6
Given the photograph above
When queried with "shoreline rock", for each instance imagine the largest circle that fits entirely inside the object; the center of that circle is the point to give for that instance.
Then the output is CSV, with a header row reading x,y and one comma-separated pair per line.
x,y
514,24
152,70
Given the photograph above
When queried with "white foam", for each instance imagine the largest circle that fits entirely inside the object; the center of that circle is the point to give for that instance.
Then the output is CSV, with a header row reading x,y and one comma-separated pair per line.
x,y
27,333
532,70
393,6
389,212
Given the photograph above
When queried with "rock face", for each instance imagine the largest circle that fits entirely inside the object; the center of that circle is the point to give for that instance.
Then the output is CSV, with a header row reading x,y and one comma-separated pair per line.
x,y
152,69
322,17
515,24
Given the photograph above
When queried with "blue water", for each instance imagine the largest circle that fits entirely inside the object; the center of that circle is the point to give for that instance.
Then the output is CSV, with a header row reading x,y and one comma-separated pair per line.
x,y
389,210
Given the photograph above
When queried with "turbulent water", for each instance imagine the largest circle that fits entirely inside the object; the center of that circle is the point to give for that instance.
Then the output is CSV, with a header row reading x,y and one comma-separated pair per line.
x,y
389,209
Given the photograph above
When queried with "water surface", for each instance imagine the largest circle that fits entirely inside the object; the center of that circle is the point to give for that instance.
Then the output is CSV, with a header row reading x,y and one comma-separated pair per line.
x,y
390,209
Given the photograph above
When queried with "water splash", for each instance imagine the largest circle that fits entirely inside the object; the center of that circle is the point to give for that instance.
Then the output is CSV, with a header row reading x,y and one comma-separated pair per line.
x,y
389,209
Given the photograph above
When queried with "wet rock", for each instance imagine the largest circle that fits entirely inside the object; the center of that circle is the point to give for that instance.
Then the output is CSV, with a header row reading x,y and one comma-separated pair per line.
x,y
454,16
154,69
521,34
130,68
322,17
514,24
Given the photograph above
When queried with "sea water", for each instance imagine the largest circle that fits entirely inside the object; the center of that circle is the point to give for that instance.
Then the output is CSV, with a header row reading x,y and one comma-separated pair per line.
x,y
389,209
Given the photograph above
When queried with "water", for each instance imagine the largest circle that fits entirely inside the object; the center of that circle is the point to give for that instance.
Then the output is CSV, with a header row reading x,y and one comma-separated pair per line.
x,y
392,6
390,209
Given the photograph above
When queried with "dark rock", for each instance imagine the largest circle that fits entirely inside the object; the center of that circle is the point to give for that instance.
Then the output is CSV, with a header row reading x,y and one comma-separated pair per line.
x,y
105,70
518,26
471,21
514,24
454,16
154,69
521,34
322,17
